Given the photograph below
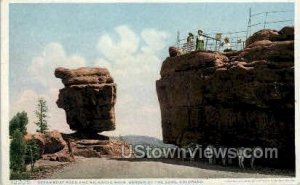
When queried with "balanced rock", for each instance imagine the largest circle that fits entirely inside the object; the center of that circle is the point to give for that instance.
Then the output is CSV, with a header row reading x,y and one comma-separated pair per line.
x,y
88,98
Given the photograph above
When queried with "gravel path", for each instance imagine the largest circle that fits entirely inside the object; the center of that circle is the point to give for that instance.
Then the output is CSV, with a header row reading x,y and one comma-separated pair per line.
x,y
98,168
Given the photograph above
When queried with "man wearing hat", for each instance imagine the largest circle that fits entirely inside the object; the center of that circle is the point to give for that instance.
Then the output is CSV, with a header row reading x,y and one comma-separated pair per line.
x,y
200,41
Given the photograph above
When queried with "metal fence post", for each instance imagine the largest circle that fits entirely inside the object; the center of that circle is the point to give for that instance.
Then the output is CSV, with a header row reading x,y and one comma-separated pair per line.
x,y
265,20
249,25
178,39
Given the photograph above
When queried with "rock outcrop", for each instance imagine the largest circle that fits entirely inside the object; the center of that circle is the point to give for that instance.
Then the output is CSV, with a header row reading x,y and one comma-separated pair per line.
x,y
286,33
52,146
173,52
235,99
55,146
95,145
88,98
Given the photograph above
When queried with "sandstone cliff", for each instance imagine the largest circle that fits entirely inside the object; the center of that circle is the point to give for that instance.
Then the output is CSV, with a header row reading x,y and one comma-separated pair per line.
x,y
235,99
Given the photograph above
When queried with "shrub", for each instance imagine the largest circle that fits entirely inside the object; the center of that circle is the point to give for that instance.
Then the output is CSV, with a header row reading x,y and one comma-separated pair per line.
x,y
17,152
19,121
32,152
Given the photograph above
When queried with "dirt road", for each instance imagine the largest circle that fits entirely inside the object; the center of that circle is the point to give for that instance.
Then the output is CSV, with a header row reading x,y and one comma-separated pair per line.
x,y
98,168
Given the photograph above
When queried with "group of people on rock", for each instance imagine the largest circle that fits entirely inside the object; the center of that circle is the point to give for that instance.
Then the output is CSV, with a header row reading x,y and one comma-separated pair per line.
x,y
200,42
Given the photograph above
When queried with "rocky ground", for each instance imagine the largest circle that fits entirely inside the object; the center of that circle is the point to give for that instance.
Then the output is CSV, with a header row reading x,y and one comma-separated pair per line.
x,y
100,168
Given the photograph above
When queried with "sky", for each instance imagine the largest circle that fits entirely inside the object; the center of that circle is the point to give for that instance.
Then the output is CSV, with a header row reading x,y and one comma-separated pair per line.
x,y
131,40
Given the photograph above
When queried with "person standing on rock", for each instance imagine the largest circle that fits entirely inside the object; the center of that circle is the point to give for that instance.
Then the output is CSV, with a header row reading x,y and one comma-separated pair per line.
x,y
190,42
200,41
190,38
227,46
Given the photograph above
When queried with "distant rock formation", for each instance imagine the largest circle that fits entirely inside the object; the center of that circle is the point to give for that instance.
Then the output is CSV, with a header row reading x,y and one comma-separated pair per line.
x,y
243,98
88,98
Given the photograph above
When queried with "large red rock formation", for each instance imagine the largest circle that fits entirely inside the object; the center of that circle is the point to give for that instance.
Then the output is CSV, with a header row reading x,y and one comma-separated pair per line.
x,y
235,99
88,98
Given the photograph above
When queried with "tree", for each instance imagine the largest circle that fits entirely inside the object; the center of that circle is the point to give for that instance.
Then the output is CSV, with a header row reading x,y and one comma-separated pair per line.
x,y
19,121
32,152
41,114
17,152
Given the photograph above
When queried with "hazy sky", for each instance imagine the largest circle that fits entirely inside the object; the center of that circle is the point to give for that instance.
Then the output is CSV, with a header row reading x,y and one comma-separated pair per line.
x,y
131,40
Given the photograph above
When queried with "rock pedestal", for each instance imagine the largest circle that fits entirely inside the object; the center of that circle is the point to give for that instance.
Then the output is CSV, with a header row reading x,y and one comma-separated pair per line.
x,y
88,98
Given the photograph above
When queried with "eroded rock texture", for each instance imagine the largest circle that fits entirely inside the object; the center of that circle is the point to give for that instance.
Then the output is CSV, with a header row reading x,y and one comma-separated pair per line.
x,y
94,145
88,98
234,99
52,146
55,146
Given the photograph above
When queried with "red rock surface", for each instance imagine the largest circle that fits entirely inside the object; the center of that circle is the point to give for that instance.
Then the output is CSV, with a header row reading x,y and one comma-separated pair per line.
x,y
173,51
244,98
94,145
88,98
52,146
65,147
286,33
49,142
